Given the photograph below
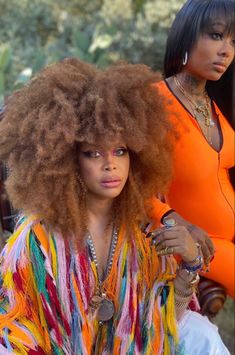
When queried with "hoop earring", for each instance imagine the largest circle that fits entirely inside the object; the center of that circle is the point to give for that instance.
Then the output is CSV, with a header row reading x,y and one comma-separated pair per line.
x,y
185,59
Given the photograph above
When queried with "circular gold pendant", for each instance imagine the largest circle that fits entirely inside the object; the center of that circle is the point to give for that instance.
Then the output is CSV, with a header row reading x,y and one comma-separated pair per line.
x,y
95,302
105,310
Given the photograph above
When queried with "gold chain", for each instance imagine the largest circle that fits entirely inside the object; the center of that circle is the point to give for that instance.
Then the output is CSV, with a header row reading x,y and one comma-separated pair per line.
x,y
203,110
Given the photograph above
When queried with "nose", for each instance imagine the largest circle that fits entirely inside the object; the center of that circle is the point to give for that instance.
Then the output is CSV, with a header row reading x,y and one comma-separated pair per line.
x,y
109,162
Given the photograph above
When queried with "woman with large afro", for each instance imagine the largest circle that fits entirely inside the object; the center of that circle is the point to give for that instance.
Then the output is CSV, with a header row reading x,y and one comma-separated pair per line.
x,y
85,149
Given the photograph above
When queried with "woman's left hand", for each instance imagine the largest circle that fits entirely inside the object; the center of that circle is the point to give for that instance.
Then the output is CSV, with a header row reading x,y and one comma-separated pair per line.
x,y
175,240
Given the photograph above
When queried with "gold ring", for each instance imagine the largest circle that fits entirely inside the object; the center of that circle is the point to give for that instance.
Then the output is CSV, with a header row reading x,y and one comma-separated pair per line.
x,y
170,250
161,252
166,251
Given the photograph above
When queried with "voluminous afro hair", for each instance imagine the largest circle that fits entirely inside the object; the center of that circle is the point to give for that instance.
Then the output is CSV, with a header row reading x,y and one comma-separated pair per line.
x,y
72,102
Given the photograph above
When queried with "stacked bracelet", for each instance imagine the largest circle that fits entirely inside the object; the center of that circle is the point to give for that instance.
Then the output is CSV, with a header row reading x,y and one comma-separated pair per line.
x,y
192,282
183,294
185,284
181,303
195,265
183,299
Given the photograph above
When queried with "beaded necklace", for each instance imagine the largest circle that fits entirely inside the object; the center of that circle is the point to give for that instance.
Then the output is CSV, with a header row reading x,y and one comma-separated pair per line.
x,y
200,111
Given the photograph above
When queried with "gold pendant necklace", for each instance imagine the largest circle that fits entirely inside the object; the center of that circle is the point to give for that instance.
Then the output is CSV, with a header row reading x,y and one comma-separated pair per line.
x,y
203,110
100,304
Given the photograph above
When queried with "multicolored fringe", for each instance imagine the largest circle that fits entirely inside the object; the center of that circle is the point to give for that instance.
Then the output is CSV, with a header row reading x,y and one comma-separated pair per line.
x,y
47,287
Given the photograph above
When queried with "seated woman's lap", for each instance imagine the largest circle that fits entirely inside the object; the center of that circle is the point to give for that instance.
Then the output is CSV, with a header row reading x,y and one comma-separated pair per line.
x,y
198,336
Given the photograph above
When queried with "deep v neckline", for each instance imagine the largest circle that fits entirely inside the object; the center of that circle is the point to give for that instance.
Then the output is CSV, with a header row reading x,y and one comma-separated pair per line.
x,y
195,122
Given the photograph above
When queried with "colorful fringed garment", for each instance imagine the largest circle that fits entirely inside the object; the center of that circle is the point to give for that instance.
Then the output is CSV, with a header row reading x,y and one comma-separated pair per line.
x,y
46,288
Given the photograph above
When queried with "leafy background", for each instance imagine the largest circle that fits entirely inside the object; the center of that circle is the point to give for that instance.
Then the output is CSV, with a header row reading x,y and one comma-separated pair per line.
x,y
34,33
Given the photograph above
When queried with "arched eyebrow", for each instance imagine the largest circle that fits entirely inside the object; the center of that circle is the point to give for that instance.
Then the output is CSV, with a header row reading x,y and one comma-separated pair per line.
x,y
217,25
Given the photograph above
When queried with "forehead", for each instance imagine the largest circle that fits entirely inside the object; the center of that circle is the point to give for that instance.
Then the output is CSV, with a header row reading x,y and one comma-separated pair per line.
x,y
219,25
219,17
103,144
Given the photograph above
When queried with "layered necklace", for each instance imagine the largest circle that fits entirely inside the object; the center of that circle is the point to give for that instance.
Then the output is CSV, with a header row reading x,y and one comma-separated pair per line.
x,y
201,111
100,304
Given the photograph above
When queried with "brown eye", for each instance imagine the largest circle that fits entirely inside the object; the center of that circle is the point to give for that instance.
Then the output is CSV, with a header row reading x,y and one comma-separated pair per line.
x,y
91,154
120,151
216,36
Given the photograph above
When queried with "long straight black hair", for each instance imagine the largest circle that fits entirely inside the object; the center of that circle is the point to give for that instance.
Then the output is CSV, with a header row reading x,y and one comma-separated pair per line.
x,y
194,18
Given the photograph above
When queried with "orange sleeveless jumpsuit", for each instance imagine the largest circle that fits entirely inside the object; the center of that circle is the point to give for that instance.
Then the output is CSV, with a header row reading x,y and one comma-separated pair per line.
x,y
201,191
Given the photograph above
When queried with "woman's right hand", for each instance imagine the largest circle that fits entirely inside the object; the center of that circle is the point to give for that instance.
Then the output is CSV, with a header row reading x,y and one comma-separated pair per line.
x,y
175,240
198,235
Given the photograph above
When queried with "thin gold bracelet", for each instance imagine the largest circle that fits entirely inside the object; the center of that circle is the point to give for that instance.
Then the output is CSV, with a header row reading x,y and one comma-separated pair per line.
x,y
182,293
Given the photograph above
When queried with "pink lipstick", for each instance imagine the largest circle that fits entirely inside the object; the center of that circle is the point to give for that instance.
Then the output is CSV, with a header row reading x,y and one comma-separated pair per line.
x,y
111,183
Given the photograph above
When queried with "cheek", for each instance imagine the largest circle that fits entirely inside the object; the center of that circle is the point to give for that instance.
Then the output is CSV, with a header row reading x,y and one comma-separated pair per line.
x,y
89,177
85,169
127,167
87,172
232,54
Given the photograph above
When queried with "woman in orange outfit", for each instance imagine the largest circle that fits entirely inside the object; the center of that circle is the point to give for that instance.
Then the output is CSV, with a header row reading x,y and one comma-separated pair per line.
x,y
201,196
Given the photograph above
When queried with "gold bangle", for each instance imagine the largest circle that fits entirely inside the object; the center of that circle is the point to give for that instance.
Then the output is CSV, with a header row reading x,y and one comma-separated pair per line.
x,y
181,304
183,298
194,281
181,284
182,293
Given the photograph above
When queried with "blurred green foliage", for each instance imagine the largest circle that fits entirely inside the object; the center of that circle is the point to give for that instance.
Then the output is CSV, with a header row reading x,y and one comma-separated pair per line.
x,y
34,33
